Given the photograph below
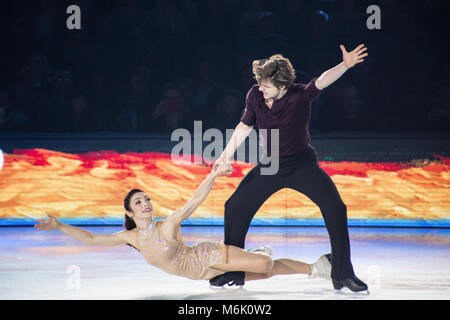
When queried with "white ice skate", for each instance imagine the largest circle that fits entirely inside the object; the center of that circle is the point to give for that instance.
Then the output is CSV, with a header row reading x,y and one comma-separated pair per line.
x,y
321,268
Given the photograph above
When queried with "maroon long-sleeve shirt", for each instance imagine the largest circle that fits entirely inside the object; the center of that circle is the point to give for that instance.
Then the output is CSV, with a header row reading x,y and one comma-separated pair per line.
x,y
290,114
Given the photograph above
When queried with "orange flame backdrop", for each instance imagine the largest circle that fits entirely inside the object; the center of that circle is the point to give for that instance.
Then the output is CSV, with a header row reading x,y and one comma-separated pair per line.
x,y
90,187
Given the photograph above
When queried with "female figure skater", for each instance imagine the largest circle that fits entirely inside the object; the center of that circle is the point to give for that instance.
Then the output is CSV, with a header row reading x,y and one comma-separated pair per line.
x,y
161,244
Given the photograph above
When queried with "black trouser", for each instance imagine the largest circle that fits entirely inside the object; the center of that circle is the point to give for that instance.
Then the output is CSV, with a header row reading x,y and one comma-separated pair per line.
x,y
300,172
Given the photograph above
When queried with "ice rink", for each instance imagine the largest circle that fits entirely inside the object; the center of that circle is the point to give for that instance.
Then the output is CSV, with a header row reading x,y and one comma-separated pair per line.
x,y
406,264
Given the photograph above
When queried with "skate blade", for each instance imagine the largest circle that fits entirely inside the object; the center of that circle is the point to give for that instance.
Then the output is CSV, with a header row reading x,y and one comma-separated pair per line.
x,y
347,292
215,288
226,287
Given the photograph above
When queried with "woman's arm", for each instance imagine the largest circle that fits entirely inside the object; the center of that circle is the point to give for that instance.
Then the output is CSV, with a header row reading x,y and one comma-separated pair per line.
x,y
199,196
82,235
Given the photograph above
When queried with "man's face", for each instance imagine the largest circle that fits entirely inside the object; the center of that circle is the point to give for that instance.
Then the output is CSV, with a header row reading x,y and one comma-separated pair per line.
x,y
269,91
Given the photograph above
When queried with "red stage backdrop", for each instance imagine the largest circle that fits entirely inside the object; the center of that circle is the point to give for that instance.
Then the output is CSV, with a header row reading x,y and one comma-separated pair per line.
x,y
89,189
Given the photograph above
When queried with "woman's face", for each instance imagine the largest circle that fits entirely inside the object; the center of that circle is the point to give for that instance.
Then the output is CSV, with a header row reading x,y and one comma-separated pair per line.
x,y
141,206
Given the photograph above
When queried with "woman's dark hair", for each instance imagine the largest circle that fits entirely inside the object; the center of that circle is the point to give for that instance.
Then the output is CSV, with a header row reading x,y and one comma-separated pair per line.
x,y
129,222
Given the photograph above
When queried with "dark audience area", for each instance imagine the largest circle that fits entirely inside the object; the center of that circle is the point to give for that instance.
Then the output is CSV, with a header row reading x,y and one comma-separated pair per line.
x,y
157,65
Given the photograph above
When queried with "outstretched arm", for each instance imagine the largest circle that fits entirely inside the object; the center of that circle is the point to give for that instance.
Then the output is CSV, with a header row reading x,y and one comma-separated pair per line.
x,y
199,196
240,133
82,235
349,59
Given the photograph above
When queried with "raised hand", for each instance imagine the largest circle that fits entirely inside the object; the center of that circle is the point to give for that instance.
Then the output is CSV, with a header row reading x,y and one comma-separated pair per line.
x,y
353,57
47,224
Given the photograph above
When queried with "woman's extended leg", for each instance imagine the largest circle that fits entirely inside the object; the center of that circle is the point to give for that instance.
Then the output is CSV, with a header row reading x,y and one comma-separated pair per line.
x,y
281,267
260,265
241,260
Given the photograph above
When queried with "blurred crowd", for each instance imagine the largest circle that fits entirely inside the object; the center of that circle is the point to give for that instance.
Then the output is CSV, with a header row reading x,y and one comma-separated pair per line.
x,y
154,66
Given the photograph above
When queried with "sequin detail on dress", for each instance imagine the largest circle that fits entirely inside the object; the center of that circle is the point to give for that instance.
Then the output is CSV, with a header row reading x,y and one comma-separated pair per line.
x,y
176,257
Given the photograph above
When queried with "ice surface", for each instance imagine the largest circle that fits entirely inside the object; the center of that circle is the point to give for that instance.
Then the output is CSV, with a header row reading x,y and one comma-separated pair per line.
x,y
395,263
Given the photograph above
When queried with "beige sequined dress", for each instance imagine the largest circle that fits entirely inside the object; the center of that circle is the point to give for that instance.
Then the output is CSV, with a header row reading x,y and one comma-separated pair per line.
x,y
176,257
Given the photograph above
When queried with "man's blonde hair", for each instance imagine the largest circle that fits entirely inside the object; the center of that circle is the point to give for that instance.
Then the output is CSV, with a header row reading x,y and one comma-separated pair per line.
x,y
277,69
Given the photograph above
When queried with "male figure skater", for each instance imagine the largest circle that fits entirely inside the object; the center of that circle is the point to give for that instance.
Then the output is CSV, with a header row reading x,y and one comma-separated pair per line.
x,y
278,103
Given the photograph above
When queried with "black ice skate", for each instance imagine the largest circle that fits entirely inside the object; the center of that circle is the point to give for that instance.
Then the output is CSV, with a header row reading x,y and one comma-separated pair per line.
x,y
235,278
353,283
